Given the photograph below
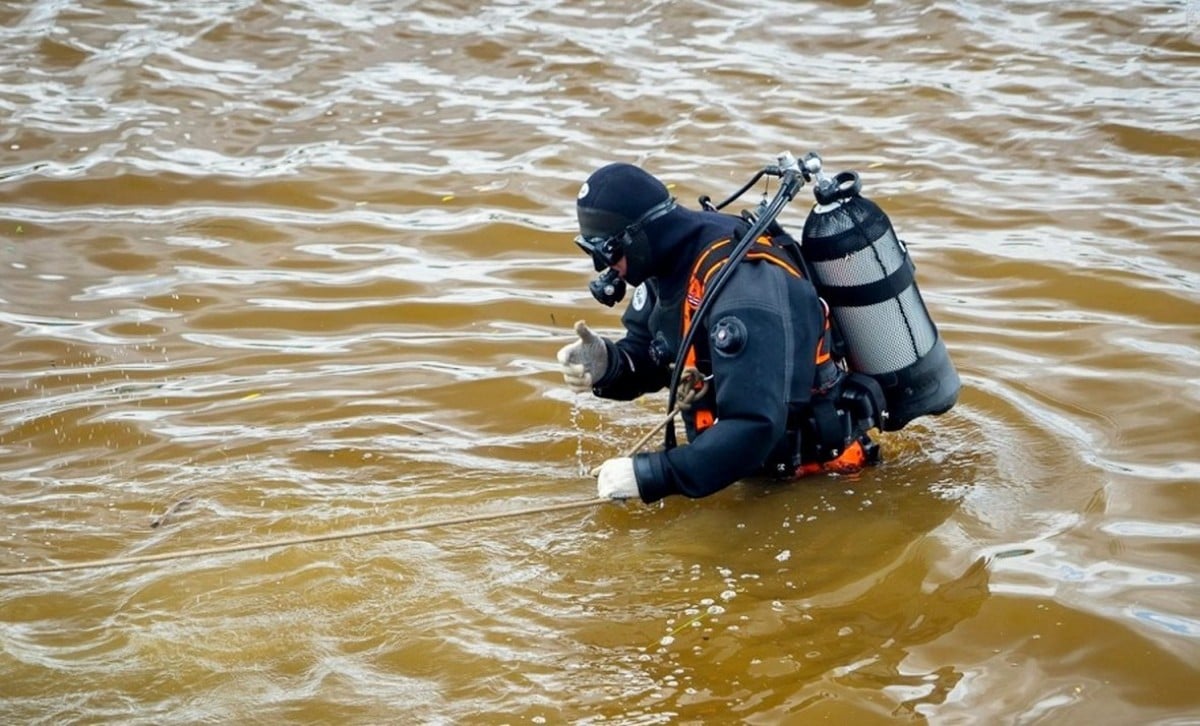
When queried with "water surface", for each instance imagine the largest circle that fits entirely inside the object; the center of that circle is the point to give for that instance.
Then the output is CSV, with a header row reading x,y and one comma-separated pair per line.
x,y
287,269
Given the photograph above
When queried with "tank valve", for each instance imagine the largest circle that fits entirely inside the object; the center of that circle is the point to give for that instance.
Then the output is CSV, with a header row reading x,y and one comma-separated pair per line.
x,y
811,165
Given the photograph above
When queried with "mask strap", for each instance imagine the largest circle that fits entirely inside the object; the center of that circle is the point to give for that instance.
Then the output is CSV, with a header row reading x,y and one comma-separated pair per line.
x,y
653,213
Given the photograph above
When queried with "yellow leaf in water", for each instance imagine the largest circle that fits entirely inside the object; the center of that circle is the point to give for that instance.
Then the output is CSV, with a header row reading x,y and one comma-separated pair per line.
x,y
250,396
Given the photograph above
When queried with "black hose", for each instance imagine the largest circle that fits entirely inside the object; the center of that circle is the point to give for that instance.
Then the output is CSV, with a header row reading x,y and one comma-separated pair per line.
x,y
773,170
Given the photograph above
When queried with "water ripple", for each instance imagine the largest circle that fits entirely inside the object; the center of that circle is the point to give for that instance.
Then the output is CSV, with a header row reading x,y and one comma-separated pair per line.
x,y
304,266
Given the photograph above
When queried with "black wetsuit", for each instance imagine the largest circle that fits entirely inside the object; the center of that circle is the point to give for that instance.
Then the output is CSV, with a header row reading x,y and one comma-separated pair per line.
x,y
754,385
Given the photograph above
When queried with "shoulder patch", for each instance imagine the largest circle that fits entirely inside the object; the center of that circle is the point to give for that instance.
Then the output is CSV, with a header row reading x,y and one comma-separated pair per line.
x,y
639,297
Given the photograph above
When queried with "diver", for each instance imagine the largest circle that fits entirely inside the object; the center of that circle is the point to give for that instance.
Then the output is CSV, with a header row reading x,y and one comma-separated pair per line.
x,y
769,396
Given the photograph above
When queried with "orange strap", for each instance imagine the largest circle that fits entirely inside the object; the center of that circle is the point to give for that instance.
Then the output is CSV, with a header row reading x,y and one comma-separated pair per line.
x,y
852,460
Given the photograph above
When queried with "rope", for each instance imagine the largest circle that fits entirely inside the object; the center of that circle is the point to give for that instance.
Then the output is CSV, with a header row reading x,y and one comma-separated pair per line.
x,y
691,387
246,547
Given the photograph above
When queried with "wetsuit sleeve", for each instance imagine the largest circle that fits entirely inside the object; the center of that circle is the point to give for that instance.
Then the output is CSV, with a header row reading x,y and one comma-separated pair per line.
x,y
631,371
751,382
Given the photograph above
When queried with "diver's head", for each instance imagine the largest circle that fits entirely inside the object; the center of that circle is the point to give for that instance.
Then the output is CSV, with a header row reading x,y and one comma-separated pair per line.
x,y
615,204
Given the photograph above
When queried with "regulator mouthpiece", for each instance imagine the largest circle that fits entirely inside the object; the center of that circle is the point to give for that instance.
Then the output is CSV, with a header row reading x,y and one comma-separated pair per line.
x,y
608,289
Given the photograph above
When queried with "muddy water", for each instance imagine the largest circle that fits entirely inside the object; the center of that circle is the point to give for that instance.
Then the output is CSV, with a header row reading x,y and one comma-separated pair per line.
x,y
273,270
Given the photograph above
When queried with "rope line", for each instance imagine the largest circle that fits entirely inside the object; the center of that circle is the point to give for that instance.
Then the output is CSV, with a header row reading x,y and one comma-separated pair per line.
x,y
272,544
692,386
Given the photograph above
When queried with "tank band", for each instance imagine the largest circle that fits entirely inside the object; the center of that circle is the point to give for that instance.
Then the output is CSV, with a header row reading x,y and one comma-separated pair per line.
x,y
871,293
865,230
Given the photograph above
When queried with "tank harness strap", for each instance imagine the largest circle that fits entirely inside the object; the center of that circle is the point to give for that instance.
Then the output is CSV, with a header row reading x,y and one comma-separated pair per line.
x,y
828,372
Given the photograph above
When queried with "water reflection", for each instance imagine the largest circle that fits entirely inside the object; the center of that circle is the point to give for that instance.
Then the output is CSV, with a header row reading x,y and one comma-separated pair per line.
x,y
304,268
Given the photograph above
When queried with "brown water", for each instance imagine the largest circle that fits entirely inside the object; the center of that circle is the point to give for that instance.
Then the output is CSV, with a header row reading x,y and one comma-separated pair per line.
x,y
298,268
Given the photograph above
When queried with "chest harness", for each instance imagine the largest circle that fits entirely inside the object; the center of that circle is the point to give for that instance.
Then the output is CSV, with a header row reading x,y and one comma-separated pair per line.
x,y
823,433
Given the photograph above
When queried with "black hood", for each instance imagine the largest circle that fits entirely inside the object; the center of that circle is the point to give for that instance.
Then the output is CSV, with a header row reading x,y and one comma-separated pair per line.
x,y
614,197
625,209
615,206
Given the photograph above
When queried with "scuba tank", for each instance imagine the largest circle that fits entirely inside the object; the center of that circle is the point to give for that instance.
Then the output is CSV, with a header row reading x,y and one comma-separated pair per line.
x,y
851,254
863,272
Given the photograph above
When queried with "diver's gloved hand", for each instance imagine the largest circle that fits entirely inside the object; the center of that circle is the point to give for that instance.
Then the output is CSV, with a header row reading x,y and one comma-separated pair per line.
x,y
616,479
585,361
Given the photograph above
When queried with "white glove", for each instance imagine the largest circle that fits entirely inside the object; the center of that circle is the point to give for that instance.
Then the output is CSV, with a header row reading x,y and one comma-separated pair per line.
x,y
616,480
584,361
